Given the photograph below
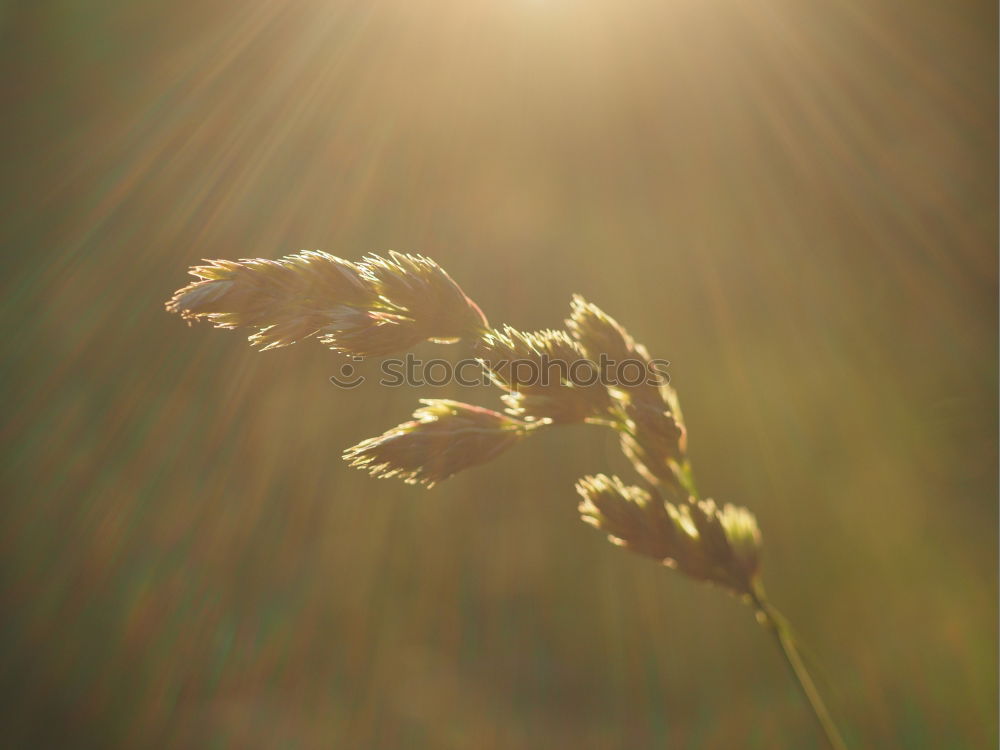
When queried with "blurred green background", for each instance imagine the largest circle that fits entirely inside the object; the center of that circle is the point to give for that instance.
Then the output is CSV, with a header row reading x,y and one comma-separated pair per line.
x,y
795,203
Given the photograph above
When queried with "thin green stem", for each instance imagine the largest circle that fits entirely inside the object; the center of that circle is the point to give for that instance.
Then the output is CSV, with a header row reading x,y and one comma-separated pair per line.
x,y
778,625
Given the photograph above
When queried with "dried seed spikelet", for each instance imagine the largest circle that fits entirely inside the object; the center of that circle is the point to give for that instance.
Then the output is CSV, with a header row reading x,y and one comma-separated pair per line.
x,y
424,296
370,333
600,334
696,538
653,434
545,374
443,438
655,441
286,300
629,515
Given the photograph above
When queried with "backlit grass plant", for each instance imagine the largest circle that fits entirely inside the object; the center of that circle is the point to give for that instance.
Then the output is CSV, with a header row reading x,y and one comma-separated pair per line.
x,y
386,305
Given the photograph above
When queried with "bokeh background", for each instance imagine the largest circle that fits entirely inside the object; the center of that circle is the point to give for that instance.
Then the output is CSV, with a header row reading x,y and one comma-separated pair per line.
x,y
795,203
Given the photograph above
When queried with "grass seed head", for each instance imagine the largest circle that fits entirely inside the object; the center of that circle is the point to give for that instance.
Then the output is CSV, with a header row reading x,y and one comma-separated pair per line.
x,y
696,538
388,304
545,373
374,308
286,300
443,438
598,333
655,441
435,304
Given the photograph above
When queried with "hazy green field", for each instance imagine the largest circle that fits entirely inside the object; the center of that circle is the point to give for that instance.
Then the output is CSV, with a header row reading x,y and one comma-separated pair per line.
x,y
795,203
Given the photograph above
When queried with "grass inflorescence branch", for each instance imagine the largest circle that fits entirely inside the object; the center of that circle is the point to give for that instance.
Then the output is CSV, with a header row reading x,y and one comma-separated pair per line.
x,y
386,305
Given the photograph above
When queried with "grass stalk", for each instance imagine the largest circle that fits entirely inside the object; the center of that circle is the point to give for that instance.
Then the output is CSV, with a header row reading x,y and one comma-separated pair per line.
x,y
778,625
387,305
